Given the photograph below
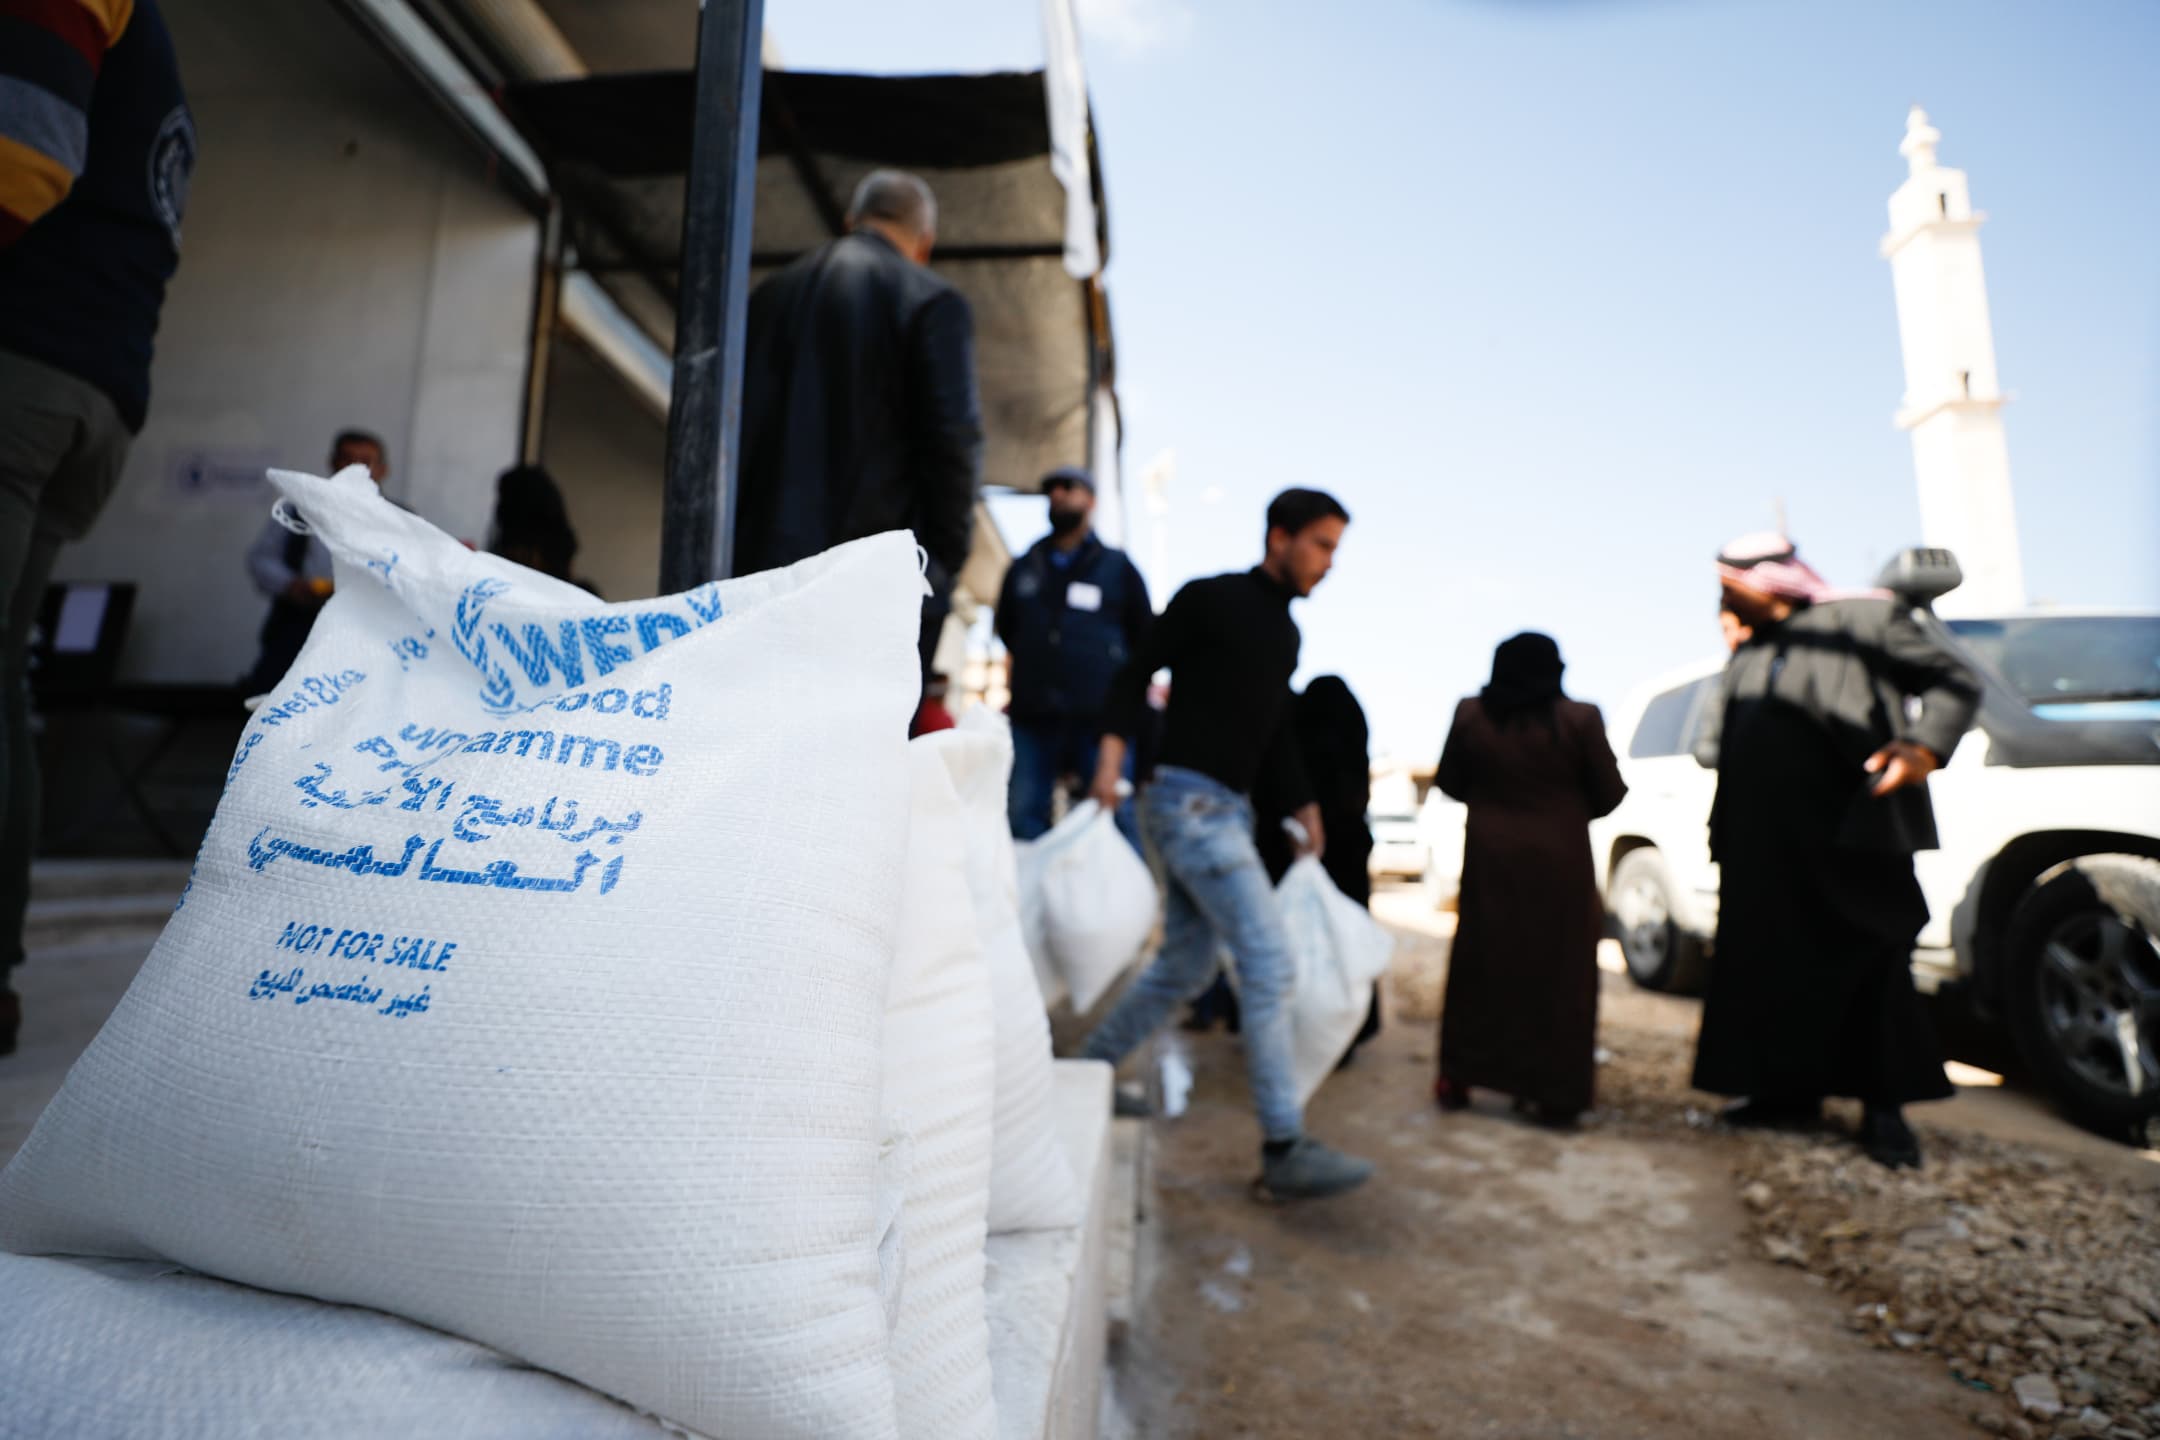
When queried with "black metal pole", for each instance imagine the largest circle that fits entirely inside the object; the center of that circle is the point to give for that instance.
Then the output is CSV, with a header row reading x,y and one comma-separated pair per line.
x,y
697,518
547,304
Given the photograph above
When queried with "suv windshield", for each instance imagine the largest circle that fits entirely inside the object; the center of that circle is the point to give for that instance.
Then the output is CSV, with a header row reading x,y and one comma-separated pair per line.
x,y
2070,659
1671,722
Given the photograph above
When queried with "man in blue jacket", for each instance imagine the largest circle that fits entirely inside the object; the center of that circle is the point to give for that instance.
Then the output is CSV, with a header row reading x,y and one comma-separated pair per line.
x,y
1071,612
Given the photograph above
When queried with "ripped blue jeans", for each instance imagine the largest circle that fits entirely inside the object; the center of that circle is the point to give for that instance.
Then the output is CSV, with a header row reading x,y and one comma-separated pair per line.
x,y
1216,893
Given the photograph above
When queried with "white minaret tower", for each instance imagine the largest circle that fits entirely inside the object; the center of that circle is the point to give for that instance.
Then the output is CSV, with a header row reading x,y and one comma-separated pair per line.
x,y
1953,402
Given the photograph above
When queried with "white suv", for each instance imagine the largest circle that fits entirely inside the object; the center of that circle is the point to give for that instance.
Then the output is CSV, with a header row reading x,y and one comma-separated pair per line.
x,y
2044,899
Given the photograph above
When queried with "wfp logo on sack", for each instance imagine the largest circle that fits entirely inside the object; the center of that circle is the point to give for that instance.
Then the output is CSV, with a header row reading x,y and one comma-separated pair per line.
x,y
556,654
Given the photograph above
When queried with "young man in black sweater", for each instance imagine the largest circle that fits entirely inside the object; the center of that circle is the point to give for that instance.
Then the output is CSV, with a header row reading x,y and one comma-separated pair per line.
x,y
1231,647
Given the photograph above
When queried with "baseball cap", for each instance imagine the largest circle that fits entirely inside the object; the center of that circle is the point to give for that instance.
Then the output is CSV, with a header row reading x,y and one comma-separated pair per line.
x,y
1068,475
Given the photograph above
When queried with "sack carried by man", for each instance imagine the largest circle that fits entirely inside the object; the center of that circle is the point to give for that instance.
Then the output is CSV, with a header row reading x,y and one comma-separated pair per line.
x,y
1340,953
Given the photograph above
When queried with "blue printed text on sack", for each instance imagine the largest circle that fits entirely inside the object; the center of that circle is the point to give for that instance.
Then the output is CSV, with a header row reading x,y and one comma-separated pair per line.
x,y
557,652
313,693
413,952
542,652
539,746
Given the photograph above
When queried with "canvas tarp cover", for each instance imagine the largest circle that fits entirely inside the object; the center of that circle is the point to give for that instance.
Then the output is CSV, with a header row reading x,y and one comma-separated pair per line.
x,y
617,147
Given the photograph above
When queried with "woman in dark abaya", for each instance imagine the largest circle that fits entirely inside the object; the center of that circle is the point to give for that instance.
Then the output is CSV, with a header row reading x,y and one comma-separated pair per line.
x,y
1534,769
1333,740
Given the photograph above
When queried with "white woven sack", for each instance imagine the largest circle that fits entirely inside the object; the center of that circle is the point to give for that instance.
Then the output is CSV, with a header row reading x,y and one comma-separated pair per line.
x,y
1031,1182
140,1348
512,993
1340,951
1029,858
940,1068
1096,901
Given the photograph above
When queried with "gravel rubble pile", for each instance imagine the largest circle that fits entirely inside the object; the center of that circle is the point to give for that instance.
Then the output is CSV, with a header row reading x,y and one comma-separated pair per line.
x,y
2036,1279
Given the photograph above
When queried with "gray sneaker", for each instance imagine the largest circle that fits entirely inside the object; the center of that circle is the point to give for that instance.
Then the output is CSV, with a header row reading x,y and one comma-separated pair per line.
x,y
1310,1170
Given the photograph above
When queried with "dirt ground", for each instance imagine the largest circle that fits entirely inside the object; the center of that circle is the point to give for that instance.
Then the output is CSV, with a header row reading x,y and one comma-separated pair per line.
x,y
1497,1279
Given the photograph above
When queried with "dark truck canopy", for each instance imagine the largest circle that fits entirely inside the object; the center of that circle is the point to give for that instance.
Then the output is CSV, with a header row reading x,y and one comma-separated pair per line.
x,y
617,147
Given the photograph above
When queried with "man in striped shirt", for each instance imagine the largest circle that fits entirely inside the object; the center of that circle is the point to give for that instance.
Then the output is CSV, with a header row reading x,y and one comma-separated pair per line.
x,y
96,150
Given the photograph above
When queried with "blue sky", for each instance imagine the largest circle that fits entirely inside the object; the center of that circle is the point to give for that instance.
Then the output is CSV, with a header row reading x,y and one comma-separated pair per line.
x,y
1559,294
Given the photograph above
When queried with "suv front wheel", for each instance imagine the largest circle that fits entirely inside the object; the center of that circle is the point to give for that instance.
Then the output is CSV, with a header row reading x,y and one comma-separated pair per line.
x,y
2084,985
1660,954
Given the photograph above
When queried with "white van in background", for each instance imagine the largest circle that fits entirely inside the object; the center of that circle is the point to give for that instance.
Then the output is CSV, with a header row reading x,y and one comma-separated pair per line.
x,y
1398,850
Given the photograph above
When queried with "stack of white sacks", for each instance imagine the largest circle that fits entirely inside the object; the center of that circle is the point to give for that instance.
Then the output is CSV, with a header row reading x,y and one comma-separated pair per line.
x,y
610,990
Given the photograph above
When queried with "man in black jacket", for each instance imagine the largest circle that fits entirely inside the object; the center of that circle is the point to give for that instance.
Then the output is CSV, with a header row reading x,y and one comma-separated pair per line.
x,y
96,151
1071,612
1836,709
859,403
